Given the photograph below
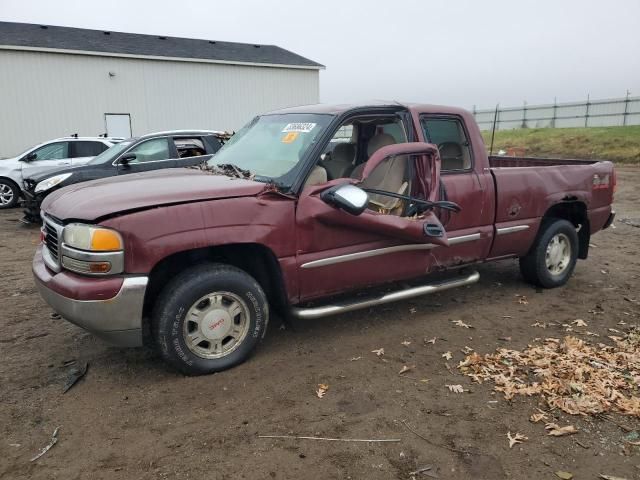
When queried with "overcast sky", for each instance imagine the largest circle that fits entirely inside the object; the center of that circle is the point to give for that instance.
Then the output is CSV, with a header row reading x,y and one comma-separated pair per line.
x,y
457,52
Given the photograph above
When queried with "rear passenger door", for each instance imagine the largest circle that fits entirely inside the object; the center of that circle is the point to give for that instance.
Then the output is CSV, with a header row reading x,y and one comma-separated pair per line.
x,y
470,231
84,150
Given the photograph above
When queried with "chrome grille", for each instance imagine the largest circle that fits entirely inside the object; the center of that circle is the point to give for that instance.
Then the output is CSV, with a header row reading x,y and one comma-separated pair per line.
x,y
51,239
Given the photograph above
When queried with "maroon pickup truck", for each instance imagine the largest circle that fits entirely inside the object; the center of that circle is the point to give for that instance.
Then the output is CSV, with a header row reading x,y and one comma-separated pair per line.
x,y
300,207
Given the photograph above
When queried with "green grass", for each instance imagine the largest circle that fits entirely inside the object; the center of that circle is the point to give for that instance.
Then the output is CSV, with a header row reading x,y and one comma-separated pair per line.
x,y
619,144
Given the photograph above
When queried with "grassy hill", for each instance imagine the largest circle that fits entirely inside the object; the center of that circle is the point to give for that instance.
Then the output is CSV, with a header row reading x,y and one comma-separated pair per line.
x,y
619,144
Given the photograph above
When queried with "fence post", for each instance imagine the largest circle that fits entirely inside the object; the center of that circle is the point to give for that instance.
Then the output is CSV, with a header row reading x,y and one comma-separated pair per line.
x,y
524,115
553,118
586,113
626,109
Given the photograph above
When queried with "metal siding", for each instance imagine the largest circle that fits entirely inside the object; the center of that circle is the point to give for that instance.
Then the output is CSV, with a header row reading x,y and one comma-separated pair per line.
x,y
47,95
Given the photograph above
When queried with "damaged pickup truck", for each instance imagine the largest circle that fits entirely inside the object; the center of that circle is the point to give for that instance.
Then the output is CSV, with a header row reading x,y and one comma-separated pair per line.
x,y
193,261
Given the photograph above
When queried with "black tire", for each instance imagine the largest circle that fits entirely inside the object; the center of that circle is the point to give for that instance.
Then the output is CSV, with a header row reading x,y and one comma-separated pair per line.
x,y
8,191
184,294
534,266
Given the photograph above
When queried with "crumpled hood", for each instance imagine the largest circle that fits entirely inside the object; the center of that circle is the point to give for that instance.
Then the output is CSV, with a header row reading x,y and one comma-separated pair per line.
x,y
100,198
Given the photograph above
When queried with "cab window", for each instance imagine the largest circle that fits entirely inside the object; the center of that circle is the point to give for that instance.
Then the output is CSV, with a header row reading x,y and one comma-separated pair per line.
x,y
450,137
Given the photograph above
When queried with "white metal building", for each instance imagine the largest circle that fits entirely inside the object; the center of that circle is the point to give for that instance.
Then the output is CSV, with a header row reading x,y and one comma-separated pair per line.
x,y
57,81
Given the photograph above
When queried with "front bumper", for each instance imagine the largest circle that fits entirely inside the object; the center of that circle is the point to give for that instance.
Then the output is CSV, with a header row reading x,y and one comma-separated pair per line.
x,y
117,319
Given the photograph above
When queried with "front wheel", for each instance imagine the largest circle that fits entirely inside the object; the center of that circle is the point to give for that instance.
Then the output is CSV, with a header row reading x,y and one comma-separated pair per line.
x,y
209,318
553,257
9,194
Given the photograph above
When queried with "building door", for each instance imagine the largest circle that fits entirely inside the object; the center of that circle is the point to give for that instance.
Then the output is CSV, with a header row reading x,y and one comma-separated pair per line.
x,y
118,124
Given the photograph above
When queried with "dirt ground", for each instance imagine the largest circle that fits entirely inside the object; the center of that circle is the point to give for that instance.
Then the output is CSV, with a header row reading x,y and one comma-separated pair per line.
x,y
132,417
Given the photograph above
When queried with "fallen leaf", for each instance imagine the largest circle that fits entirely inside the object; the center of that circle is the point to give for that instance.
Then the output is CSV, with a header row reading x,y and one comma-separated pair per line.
x,y
355,359
322,389
522,300
538,324
517,438
455,388
591,334
460,323
564,475
406,343
537,417
447,355
579,322
379,352
555,430
404,369
432,341
505,339
466,350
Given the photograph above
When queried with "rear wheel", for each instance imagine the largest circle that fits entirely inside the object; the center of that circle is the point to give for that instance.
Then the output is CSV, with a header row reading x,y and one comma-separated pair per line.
x,y
9,194
209,318
552,259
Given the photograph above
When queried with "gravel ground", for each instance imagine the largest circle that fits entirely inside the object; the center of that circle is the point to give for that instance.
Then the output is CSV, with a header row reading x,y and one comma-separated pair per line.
x,y
132,417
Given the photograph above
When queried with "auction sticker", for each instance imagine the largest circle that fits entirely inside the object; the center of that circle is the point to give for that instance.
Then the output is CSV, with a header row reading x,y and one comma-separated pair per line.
x,y
290,137
299,127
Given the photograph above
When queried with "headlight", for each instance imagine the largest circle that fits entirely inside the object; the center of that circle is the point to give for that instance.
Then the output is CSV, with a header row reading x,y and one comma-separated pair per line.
x,y
92,238
49,183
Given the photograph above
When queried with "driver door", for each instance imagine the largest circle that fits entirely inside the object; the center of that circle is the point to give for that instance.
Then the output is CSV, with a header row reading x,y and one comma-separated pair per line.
x,y
338,251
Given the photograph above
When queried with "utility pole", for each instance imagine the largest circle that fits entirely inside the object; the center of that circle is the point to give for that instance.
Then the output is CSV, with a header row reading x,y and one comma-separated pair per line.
x,y
626,108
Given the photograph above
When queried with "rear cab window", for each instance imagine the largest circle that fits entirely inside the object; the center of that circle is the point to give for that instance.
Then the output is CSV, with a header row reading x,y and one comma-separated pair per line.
x,y
449,135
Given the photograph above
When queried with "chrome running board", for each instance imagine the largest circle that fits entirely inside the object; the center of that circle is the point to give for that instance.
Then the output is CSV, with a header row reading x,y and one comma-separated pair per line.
x,y
348,306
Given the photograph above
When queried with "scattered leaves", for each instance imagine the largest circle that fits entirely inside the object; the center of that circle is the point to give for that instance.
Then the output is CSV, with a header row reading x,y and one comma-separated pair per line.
x,y
570,374
538,324
404,369
455,388
555,430
322,390
467,350
579,323
460,323
379,352
517,438
447,355
538,417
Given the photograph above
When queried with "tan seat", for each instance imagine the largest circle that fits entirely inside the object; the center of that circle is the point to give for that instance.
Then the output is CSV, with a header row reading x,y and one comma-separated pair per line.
x,y
451,156
317,176
388,175
341,162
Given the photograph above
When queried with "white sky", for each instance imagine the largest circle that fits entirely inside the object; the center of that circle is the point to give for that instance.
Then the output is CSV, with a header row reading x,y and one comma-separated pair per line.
x,y
455,52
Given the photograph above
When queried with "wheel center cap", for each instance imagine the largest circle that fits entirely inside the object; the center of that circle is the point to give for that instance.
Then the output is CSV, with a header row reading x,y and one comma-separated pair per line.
x,y
216,324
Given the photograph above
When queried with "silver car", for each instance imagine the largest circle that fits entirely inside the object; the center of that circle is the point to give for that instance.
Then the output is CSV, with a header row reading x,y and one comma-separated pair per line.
x,y
51,155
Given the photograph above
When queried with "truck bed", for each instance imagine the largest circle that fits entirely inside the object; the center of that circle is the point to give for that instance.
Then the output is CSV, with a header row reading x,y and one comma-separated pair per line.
x,y
499,161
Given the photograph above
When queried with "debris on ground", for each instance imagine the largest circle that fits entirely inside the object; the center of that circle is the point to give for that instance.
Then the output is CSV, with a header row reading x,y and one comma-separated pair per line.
x,y
363,440
406,343
630,221
564,475
538,417
517,438
554,430
54,440
455,388
522,299
460,323
404,369
426,470
75,374
379,352
571,375
610,477
322,390
432,341
447,355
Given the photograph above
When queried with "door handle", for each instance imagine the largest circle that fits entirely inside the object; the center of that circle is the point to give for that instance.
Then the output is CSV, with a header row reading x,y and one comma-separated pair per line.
x,y
64,163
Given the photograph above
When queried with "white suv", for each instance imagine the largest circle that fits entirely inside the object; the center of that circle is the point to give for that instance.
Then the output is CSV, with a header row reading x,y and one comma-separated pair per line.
x,y
69,151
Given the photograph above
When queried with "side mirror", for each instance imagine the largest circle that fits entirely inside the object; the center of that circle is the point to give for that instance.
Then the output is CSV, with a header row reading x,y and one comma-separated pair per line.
x,y
125,159
346,197
30,157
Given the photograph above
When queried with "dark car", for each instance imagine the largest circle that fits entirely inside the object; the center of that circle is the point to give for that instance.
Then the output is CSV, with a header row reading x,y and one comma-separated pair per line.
x,y
179,148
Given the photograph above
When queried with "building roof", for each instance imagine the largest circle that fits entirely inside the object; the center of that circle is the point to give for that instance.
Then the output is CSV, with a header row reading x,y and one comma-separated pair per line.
x,y
27,36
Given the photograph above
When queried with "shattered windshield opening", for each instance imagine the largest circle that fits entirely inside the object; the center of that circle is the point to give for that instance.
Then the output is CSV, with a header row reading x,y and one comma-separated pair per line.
x,y
270,146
